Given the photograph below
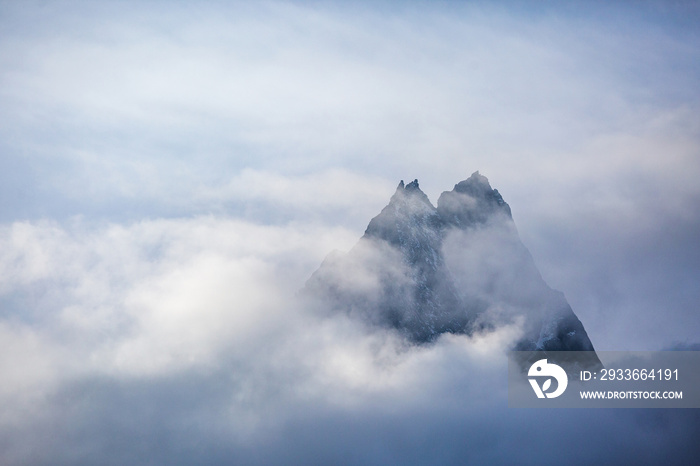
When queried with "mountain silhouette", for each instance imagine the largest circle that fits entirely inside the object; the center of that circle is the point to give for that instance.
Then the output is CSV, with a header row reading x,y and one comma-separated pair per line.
x,y
457,268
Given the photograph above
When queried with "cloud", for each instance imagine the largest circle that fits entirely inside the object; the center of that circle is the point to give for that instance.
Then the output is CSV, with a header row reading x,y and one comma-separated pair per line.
x,y
180,340
166,308
162,283
170,175
150,111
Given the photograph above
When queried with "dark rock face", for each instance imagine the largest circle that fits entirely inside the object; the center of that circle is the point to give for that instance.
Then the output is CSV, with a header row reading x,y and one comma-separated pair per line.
x,y
457,268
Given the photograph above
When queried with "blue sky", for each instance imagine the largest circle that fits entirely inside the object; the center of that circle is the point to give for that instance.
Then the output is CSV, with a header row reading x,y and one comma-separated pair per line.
x,y
172,172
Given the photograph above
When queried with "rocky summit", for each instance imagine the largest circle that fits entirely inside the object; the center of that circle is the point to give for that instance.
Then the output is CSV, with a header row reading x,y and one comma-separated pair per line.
x,y
459,267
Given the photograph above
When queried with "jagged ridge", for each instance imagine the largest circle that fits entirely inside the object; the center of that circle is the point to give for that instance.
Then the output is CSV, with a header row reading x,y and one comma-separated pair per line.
x,y
459,267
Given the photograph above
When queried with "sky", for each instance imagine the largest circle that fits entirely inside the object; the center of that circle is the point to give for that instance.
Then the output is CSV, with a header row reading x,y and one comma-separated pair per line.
x,y
171,173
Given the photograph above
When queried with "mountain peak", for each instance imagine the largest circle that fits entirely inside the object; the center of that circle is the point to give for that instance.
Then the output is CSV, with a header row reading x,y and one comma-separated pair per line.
x,y
408,220
413,185
457,268
477,185
472,201
409,199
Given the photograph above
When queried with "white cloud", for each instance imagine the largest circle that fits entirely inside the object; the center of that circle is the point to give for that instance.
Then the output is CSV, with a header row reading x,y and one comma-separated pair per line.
x,y
170,105
154,294
155,299
32,367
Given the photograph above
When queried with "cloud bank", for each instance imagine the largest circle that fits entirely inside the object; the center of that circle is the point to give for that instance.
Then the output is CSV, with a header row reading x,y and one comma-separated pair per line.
x,y
180,341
